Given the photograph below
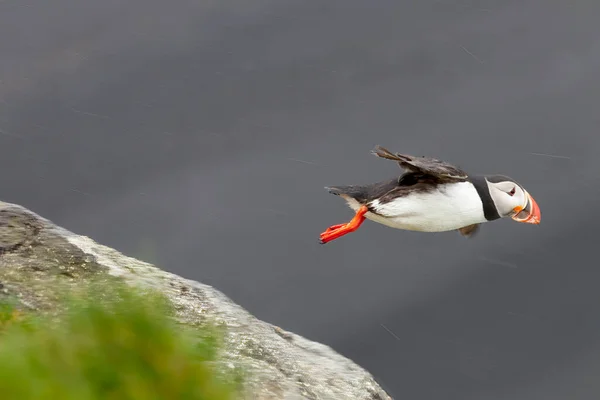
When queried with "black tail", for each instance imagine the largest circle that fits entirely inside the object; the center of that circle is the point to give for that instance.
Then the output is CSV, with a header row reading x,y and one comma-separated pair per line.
x,y
357,192
364,193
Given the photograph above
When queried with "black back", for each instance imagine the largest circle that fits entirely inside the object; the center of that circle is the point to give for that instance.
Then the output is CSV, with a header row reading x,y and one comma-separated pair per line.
x,y
386,191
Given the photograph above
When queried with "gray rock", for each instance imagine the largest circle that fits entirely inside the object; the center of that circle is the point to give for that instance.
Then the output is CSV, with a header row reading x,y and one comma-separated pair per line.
x,y
35,255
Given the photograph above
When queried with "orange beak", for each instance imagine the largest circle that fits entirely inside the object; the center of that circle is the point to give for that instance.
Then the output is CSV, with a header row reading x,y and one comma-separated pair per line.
x,y
530,214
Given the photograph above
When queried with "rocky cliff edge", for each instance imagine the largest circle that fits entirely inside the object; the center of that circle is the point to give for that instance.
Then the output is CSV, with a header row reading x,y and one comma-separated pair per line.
x,y
35,255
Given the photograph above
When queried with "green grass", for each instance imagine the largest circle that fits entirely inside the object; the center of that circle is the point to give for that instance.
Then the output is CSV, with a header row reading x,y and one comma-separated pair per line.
x,y
109,342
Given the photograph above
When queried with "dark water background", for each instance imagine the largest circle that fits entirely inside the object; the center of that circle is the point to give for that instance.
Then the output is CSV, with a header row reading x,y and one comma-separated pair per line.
x,y
199,135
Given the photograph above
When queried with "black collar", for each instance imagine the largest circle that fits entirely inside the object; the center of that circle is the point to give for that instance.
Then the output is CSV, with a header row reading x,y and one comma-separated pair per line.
x,y
489,208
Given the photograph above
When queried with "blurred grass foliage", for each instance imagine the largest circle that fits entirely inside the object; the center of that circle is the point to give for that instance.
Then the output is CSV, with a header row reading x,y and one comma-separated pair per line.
x,y
110,341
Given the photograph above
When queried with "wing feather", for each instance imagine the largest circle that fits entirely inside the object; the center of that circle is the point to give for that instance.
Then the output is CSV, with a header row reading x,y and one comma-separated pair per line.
x,y
423,165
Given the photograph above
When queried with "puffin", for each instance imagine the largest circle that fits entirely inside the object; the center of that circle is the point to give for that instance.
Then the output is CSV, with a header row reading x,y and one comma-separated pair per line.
x,y
433,196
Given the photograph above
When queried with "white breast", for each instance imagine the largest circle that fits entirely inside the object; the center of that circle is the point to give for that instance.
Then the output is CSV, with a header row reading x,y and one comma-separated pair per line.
x,y
450,207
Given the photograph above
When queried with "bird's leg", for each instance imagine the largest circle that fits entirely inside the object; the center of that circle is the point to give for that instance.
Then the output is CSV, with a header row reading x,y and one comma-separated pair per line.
x,y
337,231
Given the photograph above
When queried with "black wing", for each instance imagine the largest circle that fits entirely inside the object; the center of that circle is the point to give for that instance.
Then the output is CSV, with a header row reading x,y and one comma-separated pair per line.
x,y
424,165
469,230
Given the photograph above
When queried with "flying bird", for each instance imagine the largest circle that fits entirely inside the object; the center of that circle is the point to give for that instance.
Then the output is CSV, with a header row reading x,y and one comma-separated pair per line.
x,y
433,196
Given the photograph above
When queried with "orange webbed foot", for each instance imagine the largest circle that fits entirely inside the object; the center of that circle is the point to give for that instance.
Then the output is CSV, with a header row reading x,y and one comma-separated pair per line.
x,y
339,230
333,228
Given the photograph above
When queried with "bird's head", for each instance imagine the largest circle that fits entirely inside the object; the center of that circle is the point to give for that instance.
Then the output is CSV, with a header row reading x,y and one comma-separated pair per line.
x,y
512,200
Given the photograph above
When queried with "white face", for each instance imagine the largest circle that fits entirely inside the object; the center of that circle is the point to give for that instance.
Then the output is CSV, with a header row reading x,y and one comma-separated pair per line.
x,y
508,197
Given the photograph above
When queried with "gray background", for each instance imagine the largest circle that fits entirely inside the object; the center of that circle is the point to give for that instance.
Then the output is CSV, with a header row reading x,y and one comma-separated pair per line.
x,y
199,135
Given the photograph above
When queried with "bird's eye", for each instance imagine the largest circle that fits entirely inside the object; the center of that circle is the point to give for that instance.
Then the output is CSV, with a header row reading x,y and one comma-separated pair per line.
x,y
512,192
